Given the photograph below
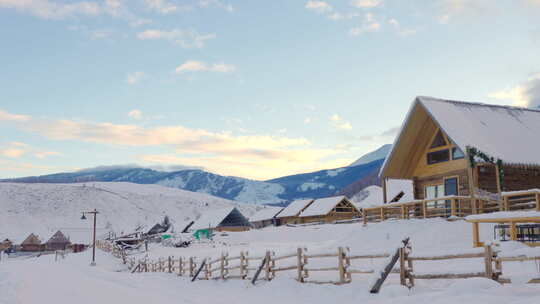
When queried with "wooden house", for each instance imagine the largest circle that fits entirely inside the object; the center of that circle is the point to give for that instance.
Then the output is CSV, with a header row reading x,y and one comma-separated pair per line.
x,y
32,243
58,242
328,210
227,219
468,150
291,213
265,217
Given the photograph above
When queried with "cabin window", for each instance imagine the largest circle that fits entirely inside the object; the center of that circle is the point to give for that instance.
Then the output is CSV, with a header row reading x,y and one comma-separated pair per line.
x,y
457,153
451,186
438,156
438,141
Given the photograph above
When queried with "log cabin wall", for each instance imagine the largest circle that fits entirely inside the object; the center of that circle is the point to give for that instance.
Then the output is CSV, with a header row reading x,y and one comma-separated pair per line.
x,y
421,182
518,177
487,177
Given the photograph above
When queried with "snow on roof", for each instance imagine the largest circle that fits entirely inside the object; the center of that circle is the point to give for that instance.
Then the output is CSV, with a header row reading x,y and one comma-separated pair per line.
x,y
503,132
374,194
212,219
322,206
503,215
265,213
295,207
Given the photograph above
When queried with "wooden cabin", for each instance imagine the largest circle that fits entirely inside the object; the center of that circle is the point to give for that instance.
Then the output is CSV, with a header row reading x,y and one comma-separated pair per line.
x,y
265,217
291,213
329,210
227,219
463,149
58,242
32,243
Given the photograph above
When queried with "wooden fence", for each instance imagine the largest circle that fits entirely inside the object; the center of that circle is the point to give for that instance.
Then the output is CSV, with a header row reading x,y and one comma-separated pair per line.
x,y
299,265
452,206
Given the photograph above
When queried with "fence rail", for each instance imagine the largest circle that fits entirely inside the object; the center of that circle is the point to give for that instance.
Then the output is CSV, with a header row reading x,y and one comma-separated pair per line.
x,y
298,264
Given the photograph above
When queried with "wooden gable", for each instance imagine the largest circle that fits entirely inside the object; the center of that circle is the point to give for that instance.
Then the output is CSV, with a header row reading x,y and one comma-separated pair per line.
x,y
344,206
419,136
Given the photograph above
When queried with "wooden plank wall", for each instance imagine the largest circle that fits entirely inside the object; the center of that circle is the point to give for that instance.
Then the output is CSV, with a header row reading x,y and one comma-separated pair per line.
x,y
421,182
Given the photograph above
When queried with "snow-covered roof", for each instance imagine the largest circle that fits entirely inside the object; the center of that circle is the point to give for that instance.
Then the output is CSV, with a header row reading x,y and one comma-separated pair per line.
x,y
322,206
265,213
212,219
372,196
295,208
504,215
503,132
395,186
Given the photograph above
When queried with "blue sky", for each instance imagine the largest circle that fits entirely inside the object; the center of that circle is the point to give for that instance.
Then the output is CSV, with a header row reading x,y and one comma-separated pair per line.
x,y
257,89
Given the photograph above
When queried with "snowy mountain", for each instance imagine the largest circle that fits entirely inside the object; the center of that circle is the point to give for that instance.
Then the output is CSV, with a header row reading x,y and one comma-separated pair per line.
x,y
45,208
380,153
276,191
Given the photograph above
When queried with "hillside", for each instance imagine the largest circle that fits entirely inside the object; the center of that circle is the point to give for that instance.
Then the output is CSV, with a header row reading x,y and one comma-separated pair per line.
x,y
276,191
45,208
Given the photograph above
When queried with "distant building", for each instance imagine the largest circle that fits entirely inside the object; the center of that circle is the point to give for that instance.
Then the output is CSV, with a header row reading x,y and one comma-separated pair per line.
x,y
329,210
291,213
32,243
227,219
58,242
265,217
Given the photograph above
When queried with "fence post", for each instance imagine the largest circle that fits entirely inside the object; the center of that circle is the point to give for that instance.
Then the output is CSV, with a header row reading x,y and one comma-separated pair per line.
x,y
243,265
222,266
382,214
300,265
191,267
453,206
402,269
341,266
268,266
537,196
170,264
424,209
180,266
488,260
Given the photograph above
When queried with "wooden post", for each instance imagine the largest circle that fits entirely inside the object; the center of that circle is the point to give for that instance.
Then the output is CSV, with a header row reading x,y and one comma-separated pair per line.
x,y
488,260
402,269
409,268
537,201
403,212
170,264
341,266
498,177
364,216
243,265
180,266
267,266
453,207
476,234
513,231
222,267
191,267
474,206
506,204
383,182
382,213
300,265
424,209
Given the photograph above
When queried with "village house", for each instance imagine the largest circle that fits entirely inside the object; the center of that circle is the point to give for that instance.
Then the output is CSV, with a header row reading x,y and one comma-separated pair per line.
x,y
226,219
32,243
58,242
477,154
291,213
329,210
265,217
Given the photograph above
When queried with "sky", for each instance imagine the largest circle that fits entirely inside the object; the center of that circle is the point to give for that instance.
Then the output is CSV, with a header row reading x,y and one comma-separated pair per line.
x,y
256,89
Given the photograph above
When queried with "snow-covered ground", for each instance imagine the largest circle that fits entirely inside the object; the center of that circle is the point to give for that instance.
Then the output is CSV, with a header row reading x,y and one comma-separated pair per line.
x,y
72,280
45,208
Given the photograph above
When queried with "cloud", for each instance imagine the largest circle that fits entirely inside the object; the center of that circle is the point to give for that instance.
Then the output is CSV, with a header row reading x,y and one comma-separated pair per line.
x,y
370,24
526,94
223,152
48,9
318,6
5,116
451,9
391,132
186,38
216,3
366,3
135,77
197,66
19,149
163,6
135,114
400,30
339,123
307,120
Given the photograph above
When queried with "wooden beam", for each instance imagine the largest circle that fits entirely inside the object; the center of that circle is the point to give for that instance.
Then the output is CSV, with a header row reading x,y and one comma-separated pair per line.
x,y
513,231
537,201
383,182
498,177
476,235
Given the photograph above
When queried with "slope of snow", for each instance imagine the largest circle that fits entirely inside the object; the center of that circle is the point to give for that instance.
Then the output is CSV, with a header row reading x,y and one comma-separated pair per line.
x,y
259,192
372,196
45,208
380,153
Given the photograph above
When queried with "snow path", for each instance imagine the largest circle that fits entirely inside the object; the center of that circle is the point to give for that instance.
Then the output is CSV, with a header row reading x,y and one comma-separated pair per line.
x,y
73,281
